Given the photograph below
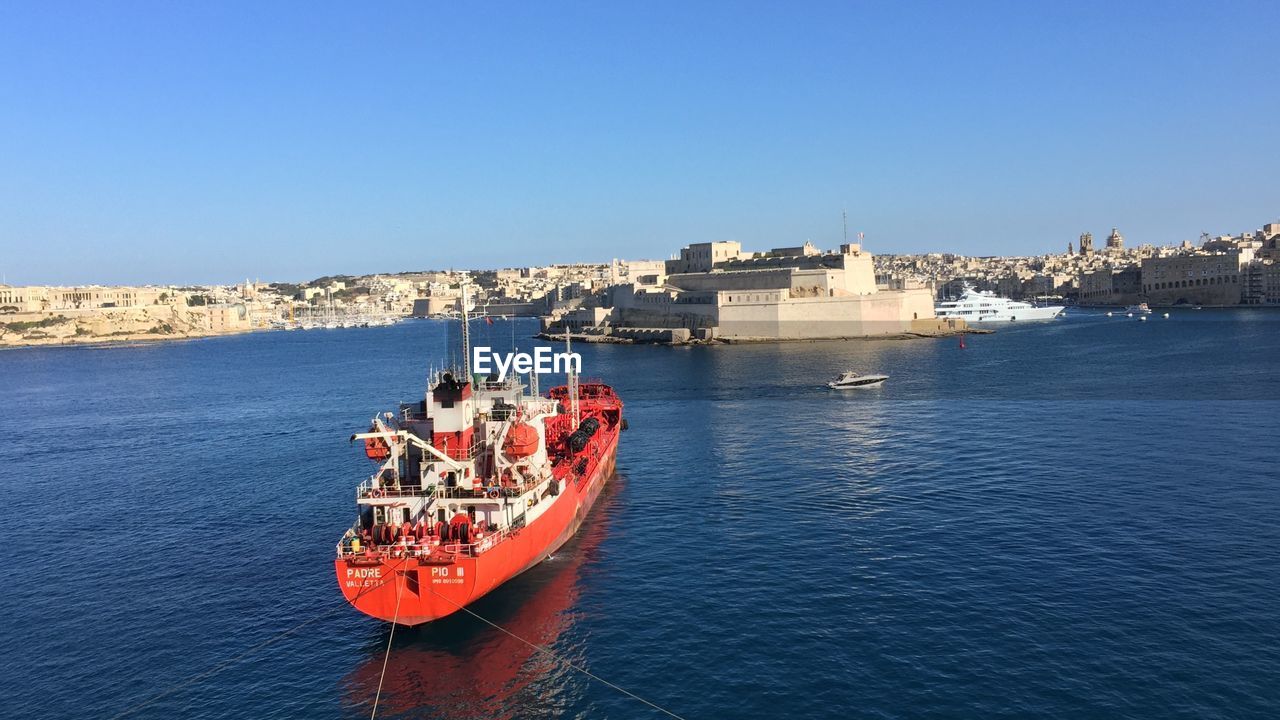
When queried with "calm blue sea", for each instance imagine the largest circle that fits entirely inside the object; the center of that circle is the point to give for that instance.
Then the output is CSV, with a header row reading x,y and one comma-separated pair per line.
x,y
1072,520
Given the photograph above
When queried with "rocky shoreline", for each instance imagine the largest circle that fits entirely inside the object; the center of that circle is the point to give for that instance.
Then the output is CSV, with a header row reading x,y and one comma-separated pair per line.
x,y
107,327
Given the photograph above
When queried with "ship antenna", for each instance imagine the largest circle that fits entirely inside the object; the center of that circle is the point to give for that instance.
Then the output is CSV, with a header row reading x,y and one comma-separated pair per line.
x,y
466,336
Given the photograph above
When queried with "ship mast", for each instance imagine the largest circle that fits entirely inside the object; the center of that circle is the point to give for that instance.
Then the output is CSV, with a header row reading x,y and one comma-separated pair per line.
x,y
573,381
466,336
533,375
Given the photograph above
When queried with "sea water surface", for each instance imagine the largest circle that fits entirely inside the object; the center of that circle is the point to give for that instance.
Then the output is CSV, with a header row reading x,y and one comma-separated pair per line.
x,y
1073,519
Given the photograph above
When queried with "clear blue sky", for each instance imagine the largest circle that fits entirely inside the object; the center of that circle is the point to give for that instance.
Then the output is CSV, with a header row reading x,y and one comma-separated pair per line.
x,y
173,142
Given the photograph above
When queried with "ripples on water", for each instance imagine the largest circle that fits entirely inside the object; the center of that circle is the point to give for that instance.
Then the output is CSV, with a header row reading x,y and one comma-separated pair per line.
x,y
1067,520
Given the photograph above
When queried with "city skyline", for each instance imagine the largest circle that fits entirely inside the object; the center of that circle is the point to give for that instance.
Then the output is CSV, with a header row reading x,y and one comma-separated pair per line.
x,y
168,145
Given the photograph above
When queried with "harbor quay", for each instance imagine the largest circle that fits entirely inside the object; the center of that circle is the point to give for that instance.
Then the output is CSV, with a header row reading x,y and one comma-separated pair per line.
x,y
1219,271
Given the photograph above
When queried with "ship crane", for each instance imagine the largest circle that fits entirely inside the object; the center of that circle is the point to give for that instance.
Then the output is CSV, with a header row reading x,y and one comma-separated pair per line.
x,y
391,435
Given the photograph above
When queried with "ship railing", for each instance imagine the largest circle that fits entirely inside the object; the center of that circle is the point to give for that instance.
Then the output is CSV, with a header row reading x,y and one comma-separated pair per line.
x,y
507,383
423,550
395,550
491,492
343,550
540,406
461,453
369,489
478,547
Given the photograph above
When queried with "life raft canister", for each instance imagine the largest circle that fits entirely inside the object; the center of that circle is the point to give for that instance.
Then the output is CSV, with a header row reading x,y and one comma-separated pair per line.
x,y
376,448
521,442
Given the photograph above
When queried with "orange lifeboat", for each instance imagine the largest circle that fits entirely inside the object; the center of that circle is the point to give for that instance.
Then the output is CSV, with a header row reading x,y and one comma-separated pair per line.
x,y
522,441
376,448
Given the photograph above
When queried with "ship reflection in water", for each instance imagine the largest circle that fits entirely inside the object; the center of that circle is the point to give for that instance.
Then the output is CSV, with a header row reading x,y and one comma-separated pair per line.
x,y
459,666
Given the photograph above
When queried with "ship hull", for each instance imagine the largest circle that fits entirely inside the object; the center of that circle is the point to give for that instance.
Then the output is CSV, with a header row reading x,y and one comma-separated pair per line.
x,y
417,590
1019,315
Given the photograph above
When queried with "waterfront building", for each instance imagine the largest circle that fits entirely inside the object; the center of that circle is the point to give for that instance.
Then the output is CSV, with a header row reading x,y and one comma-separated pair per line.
x,y
227,318
22,299
702,257
1111,286
1051,284
1116,276
1269,237
645,272
716,289
1201,278
1267,283
436,304
43,298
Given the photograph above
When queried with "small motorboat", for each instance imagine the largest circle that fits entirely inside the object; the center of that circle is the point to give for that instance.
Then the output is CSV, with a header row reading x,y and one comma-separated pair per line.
x,y
851,380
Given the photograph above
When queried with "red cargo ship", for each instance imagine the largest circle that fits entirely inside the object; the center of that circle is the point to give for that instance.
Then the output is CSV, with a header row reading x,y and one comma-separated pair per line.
x,y
475,484
488,674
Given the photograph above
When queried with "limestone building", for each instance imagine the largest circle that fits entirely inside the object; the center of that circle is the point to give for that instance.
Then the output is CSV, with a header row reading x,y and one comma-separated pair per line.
x,y
1111,286
1203,278
1115,241
43,298
716,289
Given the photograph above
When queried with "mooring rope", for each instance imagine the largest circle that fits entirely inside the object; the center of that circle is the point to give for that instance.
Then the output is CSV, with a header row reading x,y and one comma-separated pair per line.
x,y
390,636
220,667
555,656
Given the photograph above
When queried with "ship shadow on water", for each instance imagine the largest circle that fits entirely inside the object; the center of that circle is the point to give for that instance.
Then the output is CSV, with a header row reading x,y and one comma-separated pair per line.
x,y
460,666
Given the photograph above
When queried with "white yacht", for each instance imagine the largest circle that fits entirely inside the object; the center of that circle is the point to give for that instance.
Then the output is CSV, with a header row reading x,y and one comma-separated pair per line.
x,y
852,379
976,306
